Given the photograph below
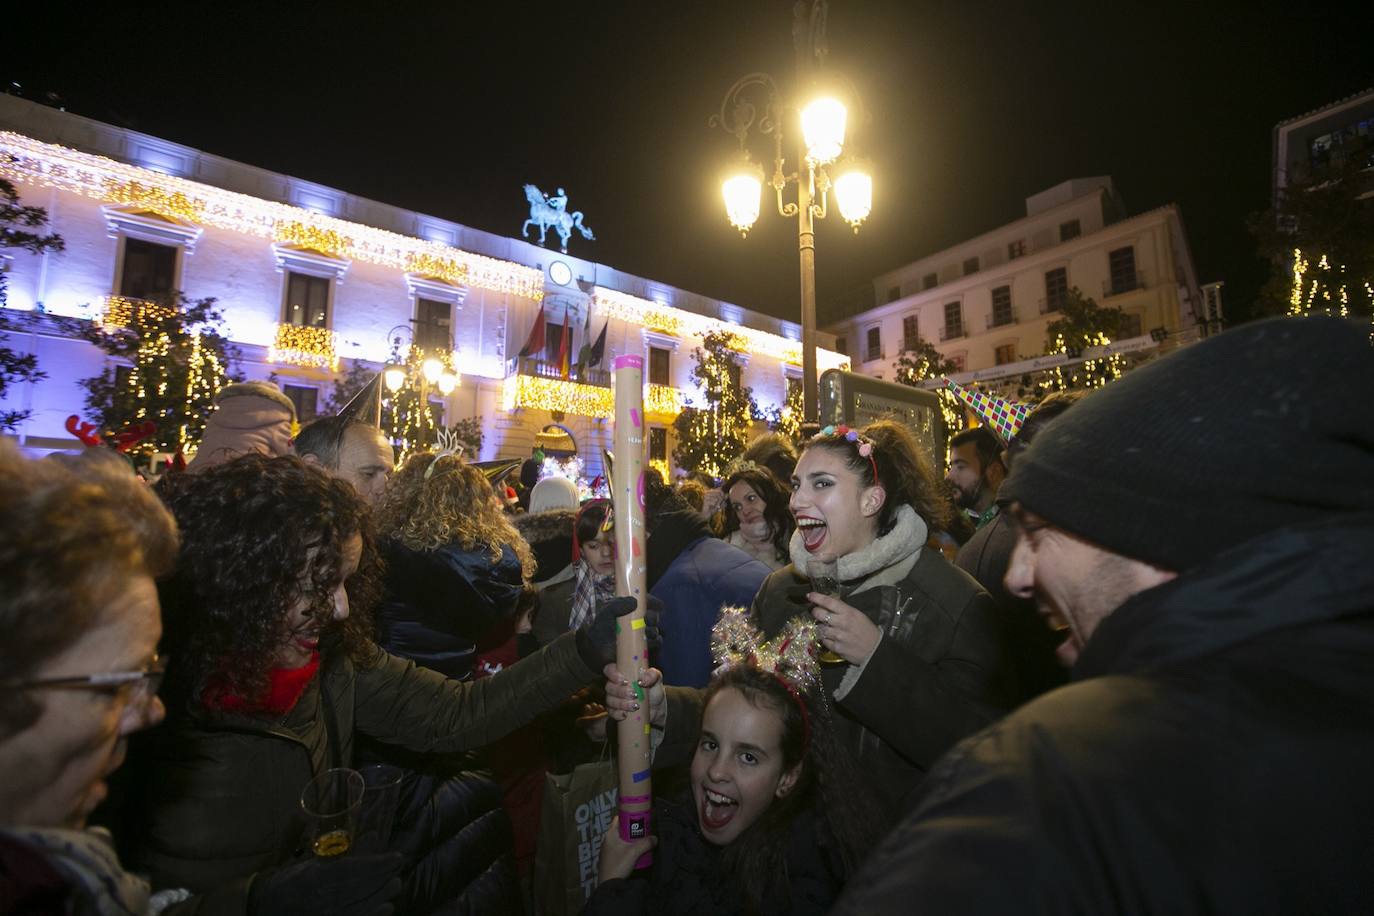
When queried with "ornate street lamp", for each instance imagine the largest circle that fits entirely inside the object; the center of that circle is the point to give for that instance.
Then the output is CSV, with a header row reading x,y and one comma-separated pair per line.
x,y
823,121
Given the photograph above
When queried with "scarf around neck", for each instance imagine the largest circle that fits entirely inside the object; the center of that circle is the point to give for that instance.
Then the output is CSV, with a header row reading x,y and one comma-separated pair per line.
x,y
87,859
284,688
587,591
885,561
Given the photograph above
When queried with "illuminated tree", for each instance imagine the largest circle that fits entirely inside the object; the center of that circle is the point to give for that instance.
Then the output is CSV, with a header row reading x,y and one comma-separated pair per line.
x,y
1082,324
176,361
16,224
1318,238
922,362
787,419
404,403
712,434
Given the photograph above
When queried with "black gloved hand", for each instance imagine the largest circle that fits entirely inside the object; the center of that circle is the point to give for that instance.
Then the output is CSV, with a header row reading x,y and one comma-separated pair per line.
x,y
343,886
596,636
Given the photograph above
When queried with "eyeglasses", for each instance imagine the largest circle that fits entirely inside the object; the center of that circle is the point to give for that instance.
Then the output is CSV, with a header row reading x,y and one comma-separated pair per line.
x,y
143,684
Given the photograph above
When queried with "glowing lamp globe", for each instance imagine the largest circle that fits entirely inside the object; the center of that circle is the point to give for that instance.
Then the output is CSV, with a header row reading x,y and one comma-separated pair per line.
x,y
431,369
447,382
823,129
743,192
854,194
395,378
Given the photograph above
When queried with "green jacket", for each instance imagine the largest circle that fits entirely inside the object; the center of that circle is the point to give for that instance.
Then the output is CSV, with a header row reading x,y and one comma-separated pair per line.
x,y
219,794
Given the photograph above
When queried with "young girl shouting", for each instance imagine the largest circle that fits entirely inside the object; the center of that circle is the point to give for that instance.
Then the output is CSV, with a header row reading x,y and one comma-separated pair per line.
x,y
775,820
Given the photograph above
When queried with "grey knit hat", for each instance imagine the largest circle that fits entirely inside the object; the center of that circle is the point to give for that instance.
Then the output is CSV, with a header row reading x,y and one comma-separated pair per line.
x,y
1263,427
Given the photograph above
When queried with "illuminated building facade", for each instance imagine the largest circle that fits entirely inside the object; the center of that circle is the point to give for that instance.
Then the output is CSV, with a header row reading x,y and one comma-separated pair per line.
x,y
311,279
988,301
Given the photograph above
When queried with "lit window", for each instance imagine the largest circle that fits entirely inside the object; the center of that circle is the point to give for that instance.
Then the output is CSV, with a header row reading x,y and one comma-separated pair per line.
x,y
307,300
306,400
658,366
432,325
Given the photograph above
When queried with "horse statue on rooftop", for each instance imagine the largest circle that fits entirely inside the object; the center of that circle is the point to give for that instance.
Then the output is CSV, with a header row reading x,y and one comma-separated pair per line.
x,y
546,211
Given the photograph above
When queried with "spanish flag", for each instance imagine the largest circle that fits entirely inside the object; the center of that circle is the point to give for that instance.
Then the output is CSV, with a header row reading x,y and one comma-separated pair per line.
x,y
564,350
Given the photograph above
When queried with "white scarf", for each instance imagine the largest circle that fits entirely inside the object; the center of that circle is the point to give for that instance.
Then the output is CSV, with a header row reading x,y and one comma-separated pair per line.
x,y
885,561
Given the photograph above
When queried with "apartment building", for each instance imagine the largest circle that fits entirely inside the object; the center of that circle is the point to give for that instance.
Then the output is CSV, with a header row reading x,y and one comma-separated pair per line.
x,y
988,301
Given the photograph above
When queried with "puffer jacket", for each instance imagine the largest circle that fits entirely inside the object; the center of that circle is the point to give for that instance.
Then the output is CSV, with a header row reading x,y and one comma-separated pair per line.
x,y
217,793
1212,755
439,603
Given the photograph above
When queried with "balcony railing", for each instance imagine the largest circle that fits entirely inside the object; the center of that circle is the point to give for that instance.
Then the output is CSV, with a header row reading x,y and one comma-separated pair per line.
x,y
529,365
1001,319
1123,283
952,331
126,311
300,345
1052,303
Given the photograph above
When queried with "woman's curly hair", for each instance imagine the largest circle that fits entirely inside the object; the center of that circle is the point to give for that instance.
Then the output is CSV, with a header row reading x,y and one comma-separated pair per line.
x,y
259,536
452,505
776,511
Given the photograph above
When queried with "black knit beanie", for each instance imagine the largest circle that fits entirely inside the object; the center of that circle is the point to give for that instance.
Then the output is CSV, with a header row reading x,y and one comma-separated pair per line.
x,y
1262,427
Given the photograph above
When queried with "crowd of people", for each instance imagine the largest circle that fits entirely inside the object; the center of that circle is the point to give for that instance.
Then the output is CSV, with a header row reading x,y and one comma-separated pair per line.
x,y
1118,661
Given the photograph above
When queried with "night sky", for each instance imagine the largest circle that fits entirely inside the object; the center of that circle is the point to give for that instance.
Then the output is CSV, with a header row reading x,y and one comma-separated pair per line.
x,y
973,106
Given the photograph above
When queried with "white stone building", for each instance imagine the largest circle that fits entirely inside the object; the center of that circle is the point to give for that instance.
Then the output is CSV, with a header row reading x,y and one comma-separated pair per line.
x,y
988,301
310,278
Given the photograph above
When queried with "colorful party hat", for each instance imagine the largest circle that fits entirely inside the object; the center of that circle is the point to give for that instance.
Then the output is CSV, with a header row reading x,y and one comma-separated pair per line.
x,y
1003,417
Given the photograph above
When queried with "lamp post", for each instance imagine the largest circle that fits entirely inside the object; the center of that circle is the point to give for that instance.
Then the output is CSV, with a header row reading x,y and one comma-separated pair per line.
x,y
823,120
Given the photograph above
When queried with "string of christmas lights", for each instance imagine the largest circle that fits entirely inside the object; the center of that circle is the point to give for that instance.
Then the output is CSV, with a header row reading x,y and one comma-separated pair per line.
x,y
122,312
48,165
668,320
1323,283
304,345
532,391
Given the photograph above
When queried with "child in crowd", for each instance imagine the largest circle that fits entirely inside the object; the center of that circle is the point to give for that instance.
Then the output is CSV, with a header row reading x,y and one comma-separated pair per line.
x,y
776,820
564,605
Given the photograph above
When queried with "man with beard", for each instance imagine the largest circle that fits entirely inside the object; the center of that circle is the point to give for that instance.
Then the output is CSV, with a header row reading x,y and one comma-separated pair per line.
x,y
976,471
1203,527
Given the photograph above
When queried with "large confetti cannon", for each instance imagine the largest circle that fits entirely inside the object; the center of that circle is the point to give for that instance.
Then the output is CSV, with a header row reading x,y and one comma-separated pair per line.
x,y
627,373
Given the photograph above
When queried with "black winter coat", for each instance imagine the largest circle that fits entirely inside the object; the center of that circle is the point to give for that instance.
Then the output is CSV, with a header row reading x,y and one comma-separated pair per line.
x,y
937,676
1214,755
687,878
439,603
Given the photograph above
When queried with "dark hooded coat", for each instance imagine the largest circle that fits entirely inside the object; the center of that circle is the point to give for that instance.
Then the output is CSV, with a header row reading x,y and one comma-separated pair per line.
x,y
1213,755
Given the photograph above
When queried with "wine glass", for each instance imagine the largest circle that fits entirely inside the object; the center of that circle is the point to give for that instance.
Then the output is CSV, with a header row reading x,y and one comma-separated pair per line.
x,y
823,571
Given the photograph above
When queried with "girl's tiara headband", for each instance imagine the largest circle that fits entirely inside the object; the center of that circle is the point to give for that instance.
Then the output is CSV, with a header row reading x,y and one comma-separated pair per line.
x,y
790,656
449,444
861,442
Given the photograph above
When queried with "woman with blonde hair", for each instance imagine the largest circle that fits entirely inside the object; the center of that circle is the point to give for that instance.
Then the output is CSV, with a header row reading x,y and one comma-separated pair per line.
x,y
455,565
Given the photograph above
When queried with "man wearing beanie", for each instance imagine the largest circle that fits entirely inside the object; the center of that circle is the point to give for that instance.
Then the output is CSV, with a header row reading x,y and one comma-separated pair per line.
x,y
248,417
1205,529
